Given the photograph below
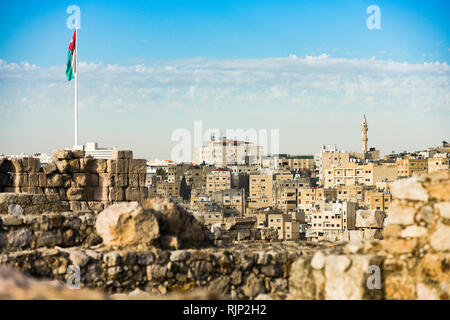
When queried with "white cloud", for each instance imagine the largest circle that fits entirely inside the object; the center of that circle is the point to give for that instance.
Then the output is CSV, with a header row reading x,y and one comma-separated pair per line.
x,y
293,82
288,88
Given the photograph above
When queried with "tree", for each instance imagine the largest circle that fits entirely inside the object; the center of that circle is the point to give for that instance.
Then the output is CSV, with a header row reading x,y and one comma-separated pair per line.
x,y
161,172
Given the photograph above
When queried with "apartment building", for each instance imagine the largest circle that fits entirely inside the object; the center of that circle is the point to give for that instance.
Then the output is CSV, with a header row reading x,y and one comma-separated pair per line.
x,y
308,198
351,174
377,200
287,228
438,163
353,193
232,200
218,180
337,216
168,189
411,167
195,177
296,163
261,188
223,152
175,171
260,193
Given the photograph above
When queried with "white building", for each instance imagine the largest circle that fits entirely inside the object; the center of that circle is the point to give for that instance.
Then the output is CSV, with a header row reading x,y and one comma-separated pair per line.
x,y
224,152
93,150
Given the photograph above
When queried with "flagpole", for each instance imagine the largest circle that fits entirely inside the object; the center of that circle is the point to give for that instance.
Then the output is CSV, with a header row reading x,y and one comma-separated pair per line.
x,y
76,84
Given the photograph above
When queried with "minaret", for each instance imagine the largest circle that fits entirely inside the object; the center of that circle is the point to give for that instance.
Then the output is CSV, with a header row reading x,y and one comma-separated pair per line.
x,y
364,134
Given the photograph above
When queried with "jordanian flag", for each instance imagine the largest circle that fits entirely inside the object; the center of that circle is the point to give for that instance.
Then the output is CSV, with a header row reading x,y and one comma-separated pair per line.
x,y
71,68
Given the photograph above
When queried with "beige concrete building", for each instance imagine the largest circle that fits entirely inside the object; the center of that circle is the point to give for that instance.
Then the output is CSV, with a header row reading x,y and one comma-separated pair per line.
x,y
296,163
223,152
261,188
353,193
353,173
168,189
195,177
411,167
218,180
284,224
337,216
435,164
232,200
260,193
175,171
377,200
308,198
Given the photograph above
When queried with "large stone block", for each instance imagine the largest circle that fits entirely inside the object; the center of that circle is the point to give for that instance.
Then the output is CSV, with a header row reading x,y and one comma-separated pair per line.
x,y
75,193
42,177
62,154
400,214
92,179
62,165
31,164
345,276
20,180
33,179
52,194
122,154
369,219
138,166
50,167
100,194
410,188
17,164
8,198
134,194
121,180
78,154
54,180
440,238
133,180
80,179
99,166
125,224
105,180
74,165
116,194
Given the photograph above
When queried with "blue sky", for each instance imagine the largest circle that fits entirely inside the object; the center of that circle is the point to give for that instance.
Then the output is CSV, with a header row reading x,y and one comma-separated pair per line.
x,y
151,67
119,32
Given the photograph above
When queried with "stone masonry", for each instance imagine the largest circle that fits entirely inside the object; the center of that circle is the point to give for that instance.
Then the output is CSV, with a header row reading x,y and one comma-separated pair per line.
x,y
72,181
411,262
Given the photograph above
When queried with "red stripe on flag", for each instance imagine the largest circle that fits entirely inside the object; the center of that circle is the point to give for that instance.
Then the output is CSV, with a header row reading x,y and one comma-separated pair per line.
x,y
72,43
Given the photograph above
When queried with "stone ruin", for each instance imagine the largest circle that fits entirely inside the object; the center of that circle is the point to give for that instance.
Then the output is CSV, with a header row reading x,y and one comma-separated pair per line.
x,y
72,181
153,247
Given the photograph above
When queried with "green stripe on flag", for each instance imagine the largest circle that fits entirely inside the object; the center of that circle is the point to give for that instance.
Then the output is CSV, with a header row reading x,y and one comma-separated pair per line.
x,y
69,67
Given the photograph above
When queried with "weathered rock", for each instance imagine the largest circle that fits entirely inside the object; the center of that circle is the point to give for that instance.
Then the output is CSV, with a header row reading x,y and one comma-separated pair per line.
x,y
345,276
443,209
174,220
440,239
411,189
301,282
126,224
413,232
62,154
400,214
253,286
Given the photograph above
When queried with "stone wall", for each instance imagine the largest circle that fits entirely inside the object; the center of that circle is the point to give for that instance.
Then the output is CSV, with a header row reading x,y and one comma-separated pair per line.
x,y
20,232
413,259
238,273
76,181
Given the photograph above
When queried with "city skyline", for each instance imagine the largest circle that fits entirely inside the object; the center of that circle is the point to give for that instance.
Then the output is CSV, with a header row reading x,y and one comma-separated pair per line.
x,y
254,65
